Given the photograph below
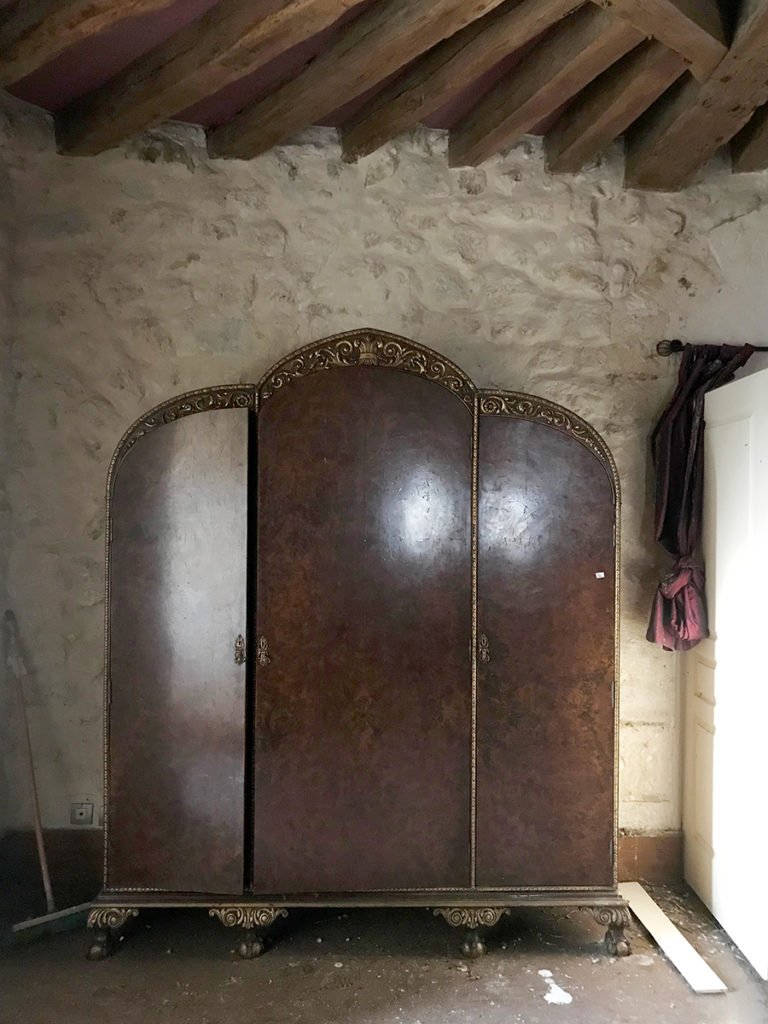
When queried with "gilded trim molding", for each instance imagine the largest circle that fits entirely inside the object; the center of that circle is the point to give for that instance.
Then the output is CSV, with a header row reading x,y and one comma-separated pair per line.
x,y
225,396
368,348
540,410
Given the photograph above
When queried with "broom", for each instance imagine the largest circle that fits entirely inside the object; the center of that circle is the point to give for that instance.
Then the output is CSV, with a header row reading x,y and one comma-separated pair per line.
x,y
53,920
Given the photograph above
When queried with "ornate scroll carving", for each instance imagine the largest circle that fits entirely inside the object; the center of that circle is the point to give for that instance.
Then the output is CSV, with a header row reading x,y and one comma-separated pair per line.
x,y
472,917
105,922
529,407
237,916
615,920
110,917
369,348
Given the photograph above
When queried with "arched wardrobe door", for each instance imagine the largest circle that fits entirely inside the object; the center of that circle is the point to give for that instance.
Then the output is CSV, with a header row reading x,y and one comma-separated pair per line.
x,y
176,716
546,648
363,614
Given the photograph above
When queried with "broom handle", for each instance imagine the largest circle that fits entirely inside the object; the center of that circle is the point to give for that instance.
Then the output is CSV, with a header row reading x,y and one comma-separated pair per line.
x,y
49,901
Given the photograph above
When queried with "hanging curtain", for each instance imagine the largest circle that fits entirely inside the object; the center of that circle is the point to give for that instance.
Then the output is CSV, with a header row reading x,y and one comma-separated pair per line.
x,y
679,613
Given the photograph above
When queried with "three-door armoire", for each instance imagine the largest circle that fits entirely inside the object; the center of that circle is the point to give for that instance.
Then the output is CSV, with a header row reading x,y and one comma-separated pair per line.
x,y
360,649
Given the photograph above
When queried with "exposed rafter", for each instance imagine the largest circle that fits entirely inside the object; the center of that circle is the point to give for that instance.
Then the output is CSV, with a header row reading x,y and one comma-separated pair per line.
x,y
33,32
383,39
446,70
232,39
611,104
693,28
684,130
564,62
749,150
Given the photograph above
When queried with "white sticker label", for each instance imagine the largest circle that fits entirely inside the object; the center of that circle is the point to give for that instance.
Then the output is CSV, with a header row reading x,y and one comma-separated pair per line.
x,y
599,575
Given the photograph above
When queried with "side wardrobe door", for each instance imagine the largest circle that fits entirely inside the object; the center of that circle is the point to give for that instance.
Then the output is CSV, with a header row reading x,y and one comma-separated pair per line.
x,y
546,618
177,694
363,698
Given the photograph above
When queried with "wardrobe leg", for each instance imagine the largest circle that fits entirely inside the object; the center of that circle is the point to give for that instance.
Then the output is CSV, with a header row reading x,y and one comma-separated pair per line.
x,y
254,921
616,920
473,944
476,920
105,923
252,944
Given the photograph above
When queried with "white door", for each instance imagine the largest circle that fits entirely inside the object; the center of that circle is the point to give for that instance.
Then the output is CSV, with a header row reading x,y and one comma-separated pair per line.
x,y
726,757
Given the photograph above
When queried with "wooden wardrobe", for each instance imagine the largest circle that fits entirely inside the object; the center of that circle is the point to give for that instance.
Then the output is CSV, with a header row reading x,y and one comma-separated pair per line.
x,y
360,649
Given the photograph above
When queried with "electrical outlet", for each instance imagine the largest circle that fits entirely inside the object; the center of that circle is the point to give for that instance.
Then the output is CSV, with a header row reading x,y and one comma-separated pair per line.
x,y
81,814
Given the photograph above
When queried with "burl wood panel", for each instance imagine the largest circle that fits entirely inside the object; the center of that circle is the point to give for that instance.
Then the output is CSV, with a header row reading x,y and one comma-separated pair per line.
x,y
362,747
545,714
177,716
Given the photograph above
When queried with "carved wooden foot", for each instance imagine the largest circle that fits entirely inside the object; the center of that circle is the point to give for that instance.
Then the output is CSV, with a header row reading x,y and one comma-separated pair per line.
x,y
615,919
106,922
476,920
251,945
255,921
473,943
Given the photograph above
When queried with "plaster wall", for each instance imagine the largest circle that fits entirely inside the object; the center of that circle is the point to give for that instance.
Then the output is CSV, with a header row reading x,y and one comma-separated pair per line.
x,y
151,270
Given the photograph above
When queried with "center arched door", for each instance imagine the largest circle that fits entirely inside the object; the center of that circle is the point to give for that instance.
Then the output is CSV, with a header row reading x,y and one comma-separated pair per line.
x,y
362,635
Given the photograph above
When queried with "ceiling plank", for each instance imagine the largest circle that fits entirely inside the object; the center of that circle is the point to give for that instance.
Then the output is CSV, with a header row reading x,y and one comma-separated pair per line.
x,y
33,32
561,65
383,39
749,150
232,39
611,104
446,70
686,128
693,28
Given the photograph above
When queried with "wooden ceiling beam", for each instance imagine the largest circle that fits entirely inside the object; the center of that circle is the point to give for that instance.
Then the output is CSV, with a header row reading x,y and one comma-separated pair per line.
x,y
749,150
574,53
383,39
692,28
33,32
608,106
446,70
232,39
686,128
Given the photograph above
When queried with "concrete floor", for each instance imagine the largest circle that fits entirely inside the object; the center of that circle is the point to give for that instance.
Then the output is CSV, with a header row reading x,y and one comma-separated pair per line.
x,y
375,966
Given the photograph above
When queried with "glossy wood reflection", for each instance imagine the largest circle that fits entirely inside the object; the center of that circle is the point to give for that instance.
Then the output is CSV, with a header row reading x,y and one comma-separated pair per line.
x,y
545,712
362,737
176,721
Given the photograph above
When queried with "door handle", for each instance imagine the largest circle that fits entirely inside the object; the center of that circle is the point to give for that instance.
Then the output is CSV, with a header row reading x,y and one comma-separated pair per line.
x,y
240,650
483,648
262,652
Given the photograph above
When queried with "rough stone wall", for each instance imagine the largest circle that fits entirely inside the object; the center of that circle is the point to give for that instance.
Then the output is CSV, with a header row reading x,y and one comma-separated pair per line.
x,y
151,270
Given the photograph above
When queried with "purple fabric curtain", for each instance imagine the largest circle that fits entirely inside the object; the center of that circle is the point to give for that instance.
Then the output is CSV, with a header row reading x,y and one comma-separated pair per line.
x,y
679,613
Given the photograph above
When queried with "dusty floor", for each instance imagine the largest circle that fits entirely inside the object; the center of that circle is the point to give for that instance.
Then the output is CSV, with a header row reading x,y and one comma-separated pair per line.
x,y
372,967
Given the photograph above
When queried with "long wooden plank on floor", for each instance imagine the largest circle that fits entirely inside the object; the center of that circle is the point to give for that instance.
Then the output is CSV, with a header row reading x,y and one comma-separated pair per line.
x,y
671,941
383,39
611,104
693,28
446,70
234,38
36,31
568,58
687,127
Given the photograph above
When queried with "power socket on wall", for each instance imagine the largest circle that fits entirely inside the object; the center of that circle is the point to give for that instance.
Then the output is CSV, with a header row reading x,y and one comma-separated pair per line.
x,y
81,814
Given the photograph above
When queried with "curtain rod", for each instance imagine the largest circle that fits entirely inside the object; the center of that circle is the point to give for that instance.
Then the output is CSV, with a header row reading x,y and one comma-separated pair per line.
x,y
672,346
